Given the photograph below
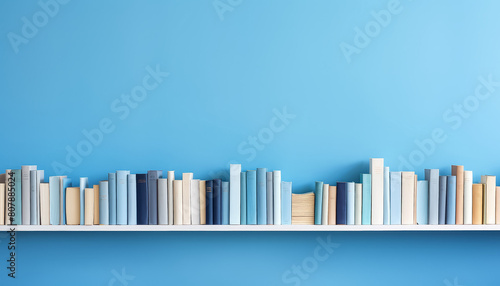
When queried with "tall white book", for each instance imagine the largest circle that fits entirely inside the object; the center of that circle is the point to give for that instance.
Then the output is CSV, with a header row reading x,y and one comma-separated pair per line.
x,y
387,197
277,197
407,197
377,174
44,204
178,202
186,197
25,194
324,208
234,193
170,195
195,202
467,197
162,201
489,199
358,203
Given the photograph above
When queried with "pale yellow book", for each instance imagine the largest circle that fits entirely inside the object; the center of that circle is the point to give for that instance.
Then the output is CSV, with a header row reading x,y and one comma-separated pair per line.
x,y
458,171
96,204
477,203
89,206
497,219
203,202
186,197
72,205
489,199
178,201
2,203
407,197
44,204
332,205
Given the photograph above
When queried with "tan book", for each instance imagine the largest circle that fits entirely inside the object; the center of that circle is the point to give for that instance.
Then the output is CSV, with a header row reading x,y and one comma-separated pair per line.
x,y
178,201
459,211
497,216
96,204
303,208
332,205
477,203
44,204
72,205
89,206
415,200
203,202
489,199
2,203
407,197
298,220
186,197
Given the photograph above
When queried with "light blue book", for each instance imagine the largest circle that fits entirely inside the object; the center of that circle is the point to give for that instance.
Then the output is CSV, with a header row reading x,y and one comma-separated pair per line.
x,y
395,187
65,183
112,197
286,203
121,197
243,196
432,176
451,199
270,197
387,197
225,202
318,203
366,205
251,197
84,182
234,194
54,197
422,202
103,203
261,196
131,199
350,202
36,177
442,199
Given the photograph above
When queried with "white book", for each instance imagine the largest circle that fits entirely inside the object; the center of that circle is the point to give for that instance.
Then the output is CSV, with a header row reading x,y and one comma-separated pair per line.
x,y
177,201
162,201
44,204
324,208
467,197
407,197
195,202
170,195
84,182
234,193
377,174
387,197
489,199
186,197
25,194
358,203
277,197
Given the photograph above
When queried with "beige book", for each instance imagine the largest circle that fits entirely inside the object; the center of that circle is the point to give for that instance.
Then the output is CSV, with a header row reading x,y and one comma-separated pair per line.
x,y
44,204
2,203
324,207
459,210
170,195
303,208
89,206
415,200
72,205
477,203
497,216
407,197
203,202
489,199
96,204
178,201
186,197
302,220
377,174
358,202
332,205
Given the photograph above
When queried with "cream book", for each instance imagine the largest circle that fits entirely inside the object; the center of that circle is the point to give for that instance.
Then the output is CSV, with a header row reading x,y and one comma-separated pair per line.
x,y
195,202
497,216
377,174
177,201
186,197
489,199
170,195
332,205
459,209
467,197
358,201
96,204
73,205
89,206
303,208
44,204
324,207
203,202
2,203
477,203
415,200
407,197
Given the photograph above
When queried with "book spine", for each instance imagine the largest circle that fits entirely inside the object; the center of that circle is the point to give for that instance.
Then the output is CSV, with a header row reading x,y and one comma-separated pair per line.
x,y
251,197
111,198
225,203
243,198
40,178
407,197
318,202
121,197
153,177
332,205
277,197
186,197
442,199
170,195
324,207
477,203
84,181
451,197
89,206
64,182
142,199
286,200
54,200
131,199
234,193
350,202
26,194
489,199
468,197
72,205
497,203
3,205
458,171
33,198
341,203
422,202
432,176
261,196
195,202
103,203
96,204
178,202
377,172
395,178
358,202
387,197
162,201
203,202
217,193
210,202
366,211
270,198
44,204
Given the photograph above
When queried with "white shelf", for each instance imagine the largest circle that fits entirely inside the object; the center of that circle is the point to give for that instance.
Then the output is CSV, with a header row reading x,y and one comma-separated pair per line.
x,y
252,228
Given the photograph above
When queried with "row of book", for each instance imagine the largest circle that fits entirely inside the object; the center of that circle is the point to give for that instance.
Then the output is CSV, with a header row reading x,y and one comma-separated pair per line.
x,y
249,197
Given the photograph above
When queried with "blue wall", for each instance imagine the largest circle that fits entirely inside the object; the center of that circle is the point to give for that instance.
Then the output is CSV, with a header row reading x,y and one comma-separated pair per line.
x,y
353,88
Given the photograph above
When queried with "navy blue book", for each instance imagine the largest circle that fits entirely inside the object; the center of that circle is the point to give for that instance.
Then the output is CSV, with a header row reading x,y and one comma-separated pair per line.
x,y
142,198
217,192
153,195
341,203
210,202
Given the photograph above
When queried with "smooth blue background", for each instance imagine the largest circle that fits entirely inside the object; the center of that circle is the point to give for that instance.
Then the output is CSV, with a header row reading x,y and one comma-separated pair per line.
x,y
226,77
